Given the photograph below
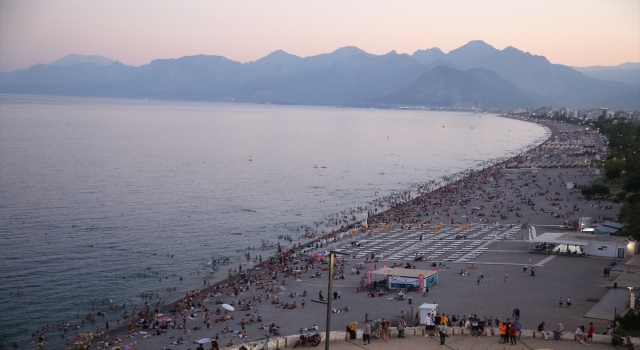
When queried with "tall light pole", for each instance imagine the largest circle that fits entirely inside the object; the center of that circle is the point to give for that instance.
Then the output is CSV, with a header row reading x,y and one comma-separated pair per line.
x,y
332,256
632,298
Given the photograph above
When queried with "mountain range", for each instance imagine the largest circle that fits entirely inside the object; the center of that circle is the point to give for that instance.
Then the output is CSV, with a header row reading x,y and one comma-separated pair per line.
x,y
474,75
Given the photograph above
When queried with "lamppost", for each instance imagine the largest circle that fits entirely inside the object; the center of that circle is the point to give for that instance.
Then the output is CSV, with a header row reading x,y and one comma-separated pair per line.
x,y
332,257
632,298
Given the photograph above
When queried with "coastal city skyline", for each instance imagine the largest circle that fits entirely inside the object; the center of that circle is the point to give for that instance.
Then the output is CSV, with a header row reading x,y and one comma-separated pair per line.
x,y
135,33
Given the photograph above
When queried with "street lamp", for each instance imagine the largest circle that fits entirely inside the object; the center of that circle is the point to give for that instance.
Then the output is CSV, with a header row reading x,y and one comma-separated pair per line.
x,y
632,298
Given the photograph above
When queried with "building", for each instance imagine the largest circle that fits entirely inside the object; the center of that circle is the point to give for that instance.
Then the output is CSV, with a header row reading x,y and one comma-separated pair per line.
x,y
584,244
408,279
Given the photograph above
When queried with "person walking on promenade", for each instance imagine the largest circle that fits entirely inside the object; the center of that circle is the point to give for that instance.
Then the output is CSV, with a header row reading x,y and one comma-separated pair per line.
x,y
366,333
560,302
533,272
568,302
442,329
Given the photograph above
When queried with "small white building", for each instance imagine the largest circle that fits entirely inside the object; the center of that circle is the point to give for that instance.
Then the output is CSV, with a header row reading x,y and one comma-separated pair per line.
x,y
583,244
408,279
426,309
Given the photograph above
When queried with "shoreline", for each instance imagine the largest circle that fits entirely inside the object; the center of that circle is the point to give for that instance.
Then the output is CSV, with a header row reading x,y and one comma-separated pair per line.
x,y
449,180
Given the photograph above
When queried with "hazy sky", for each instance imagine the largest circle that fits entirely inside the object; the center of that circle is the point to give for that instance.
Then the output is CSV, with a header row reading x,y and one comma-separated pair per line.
x,y
576,33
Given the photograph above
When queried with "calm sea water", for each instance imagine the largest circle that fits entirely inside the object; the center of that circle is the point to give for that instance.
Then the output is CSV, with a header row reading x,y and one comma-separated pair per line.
x,y
92,189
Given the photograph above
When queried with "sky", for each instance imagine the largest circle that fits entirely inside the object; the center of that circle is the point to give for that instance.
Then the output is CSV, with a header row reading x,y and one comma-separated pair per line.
x,y
135,32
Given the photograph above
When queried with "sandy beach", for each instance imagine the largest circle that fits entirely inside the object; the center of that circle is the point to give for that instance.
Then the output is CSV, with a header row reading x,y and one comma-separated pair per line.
x,y
481,219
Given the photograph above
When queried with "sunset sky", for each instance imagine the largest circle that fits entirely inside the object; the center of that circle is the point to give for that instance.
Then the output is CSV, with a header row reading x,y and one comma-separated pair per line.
x,y
575,33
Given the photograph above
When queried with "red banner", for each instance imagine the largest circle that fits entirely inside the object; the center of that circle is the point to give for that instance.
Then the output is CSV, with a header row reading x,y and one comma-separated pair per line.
x,y
369,276
420,282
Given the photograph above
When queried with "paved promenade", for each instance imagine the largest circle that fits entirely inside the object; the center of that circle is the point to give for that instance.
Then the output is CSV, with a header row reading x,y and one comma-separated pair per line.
x,y
463,342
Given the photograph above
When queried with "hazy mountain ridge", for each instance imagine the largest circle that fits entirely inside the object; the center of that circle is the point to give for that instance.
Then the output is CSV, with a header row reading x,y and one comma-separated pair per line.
x,y
447,86
476,75
628,73
73,58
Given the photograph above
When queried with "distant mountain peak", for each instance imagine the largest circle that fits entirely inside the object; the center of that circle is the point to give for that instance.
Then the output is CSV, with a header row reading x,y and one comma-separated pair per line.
x,y
476,48
348,50
73,58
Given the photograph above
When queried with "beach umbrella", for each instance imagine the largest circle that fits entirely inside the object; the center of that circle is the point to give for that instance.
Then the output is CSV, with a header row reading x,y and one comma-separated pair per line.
x,y
228,307
165,319
126,347
204,341
281,287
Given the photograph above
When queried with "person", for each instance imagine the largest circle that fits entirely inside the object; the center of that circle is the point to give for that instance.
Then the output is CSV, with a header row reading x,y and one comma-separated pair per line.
x,y
366,332
568,302
557,333
543,331
320,296
512,334
580,334
503,332
442,329
385,330
592,330
351,328
429,325
474,326
533,271
560,302
200,347
401,326
518,328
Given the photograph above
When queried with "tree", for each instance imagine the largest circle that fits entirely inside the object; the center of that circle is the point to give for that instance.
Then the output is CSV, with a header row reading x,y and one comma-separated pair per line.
x,y
629,324
613,168
632,183
630,215
596,190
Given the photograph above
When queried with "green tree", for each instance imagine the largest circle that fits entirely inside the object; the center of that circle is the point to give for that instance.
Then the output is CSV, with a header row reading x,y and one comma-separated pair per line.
x,y
613,168
596,190
632,183
630,216
629,324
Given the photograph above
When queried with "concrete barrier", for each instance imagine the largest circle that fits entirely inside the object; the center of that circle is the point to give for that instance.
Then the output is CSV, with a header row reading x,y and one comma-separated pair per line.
x,y
288,341
568,336
527,333
409,331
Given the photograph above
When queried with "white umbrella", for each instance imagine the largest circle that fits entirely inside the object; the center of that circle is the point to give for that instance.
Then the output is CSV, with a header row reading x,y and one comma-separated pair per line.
x,y
204,341
228,307
283,288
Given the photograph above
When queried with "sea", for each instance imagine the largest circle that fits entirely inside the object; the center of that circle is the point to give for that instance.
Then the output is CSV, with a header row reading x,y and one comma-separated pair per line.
x,y
102,200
